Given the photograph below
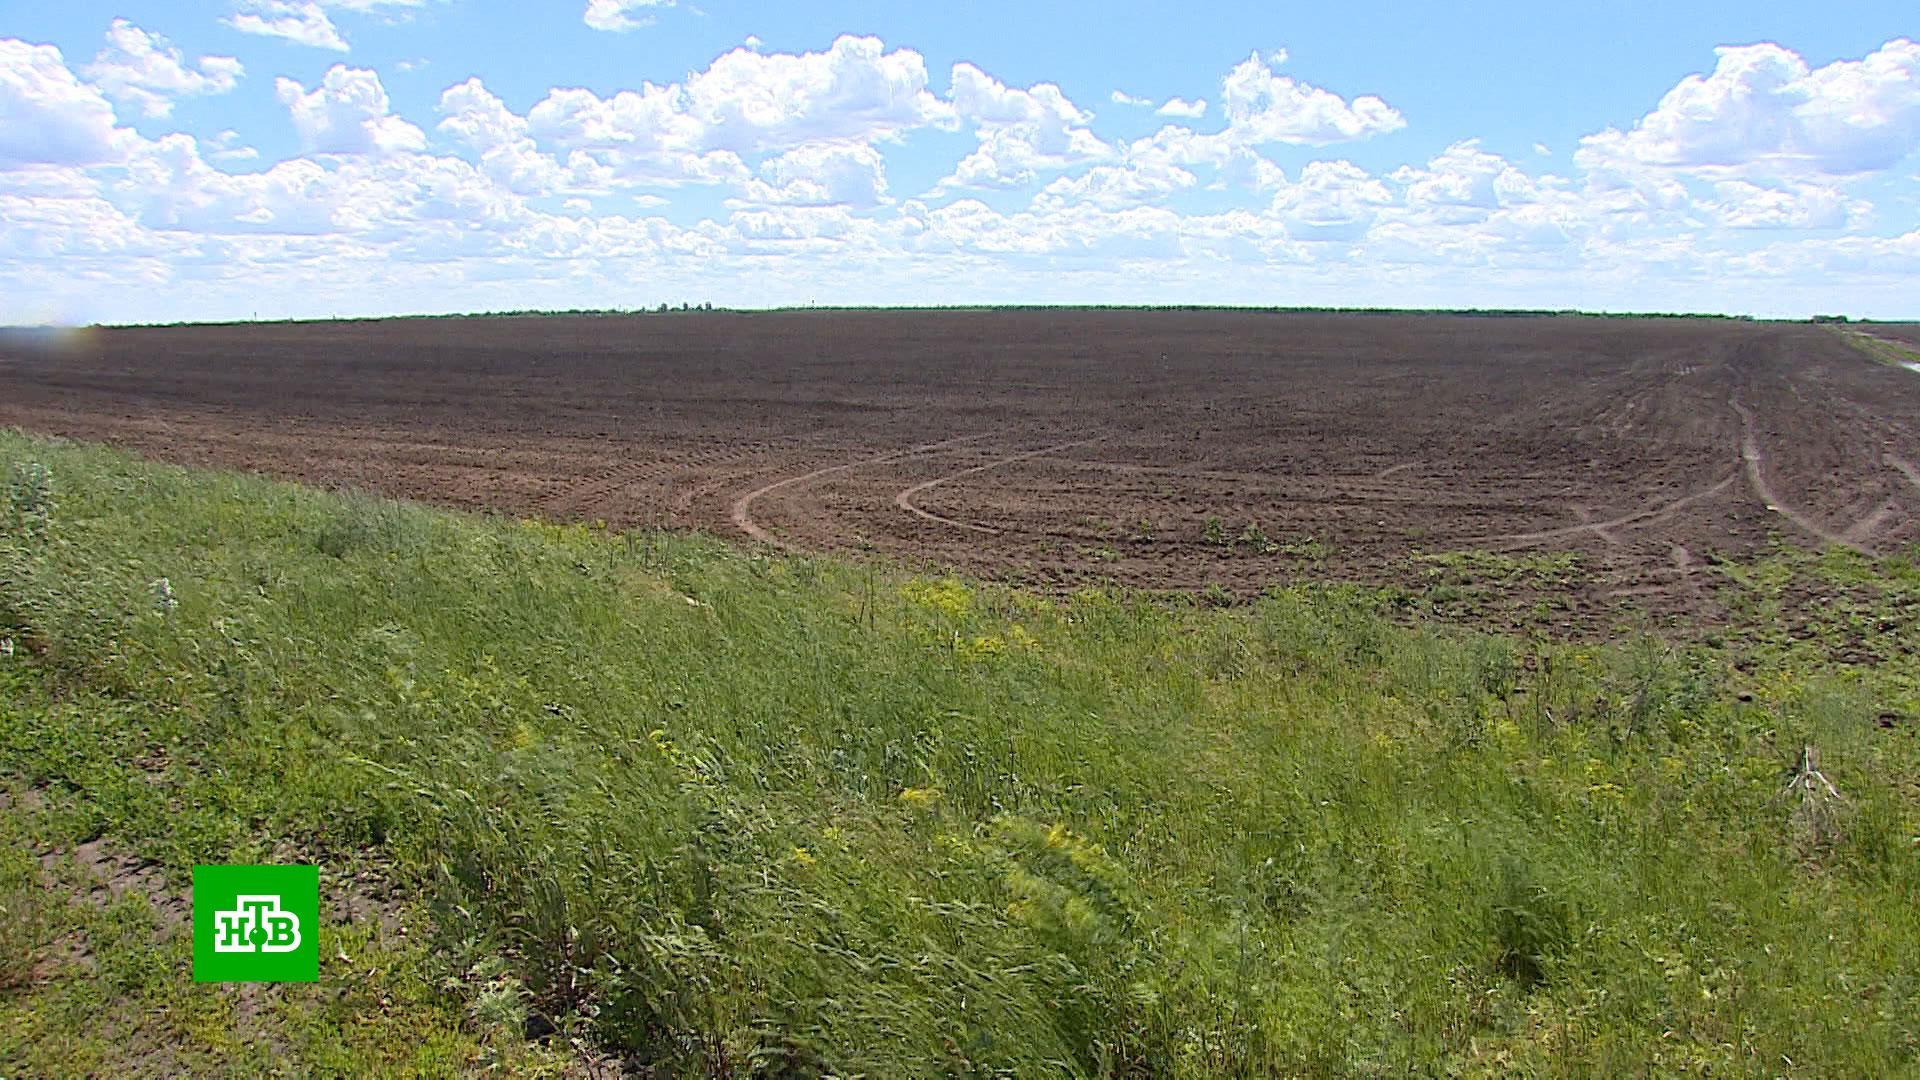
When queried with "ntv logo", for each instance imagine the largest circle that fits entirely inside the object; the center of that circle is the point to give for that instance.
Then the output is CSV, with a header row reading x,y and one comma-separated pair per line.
x,y
256,924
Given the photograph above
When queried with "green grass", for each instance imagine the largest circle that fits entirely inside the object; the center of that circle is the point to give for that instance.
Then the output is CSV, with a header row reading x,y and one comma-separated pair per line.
x,y
1885,351
718,813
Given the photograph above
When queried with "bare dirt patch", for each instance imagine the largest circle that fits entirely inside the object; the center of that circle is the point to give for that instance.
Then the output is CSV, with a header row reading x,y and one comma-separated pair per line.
x,y
1060,447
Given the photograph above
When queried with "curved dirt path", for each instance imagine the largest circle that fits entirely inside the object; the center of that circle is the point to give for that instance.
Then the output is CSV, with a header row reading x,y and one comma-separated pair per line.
x,y
740,512
904,497
1755,461
1638,517
1905,468
1597,528
1867,527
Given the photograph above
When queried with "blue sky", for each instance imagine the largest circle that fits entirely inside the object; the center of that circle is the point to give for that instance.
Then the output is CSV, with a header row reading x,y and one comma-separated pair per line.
x,y
287,158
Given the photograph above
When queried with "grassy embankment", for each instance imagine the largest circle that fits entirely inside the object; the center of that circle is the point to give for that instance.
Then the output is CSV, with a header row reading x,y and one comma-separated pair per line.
x,y
725,813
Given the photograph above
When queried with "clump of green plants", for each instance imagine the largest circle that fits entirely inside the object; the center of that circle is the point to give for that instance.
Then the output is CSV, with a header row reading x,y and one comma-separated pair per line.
x,y
1215,532
25,918
30,500
1254,538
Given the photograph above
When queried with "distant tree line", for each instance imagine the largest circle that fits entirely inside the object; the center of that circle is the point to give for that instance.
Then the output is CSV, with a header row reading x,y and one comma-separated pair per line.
x,y
667,308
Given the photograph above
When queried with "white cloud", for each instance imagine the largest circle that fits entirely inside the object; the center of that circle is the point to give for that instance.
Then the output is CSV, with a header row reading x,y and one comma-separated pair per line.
x,y
856,91
415,204
979,97
1738,204
303,23
745,102
821,174
1894,257
143,70
1114,186
1121,97
784,226
348,113
1332,200
1176,144
49,117
1463,182
617,15
1763,112
636,137
369,6
483,123
1021,132
1263,107
228,147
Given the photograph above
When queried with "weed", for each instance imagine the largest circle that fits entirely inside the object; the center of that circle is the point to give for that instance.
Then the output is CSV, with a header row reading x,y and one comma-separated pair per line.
x,y
30,500
25,919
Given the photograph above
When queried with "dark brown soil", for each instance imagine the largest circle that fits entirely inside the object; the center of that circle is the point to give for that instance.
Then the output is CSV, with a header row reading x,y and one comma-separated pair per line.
x,y
1065,446
1906,332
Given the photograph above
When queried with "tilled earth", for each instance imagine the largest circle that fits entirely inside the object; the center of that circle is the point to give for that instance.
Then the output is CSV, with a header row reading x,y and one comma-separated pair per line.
x,y
1157,449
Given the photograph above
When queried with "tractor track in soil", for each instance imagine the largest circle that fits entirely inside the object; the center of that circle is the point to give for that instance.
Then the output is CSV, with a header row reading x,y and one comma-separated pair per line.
x,y
740,512
904,497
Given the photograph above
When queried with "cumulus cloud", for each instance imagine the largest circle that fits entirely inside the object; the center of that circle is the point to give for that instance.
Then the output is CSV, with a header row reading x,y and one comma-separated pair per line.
x,y
856,90
226,146
746,102
1738,204
821,174
1332,200
303,23
1121,97
618,16
1464,181
479,120
1264,106
142,70
49,117
1114,186
1764,111
1021,132
348,113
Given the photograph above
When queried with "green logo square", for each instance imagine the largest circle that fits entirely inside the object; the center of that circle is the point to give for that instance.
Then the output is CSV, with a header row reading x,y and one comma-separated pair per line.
x,y
256,924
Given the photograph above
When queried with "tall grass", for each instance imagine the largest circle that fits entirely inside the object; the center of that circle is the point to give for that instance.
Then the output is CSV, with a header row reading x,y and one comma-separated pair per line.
x,y
728,813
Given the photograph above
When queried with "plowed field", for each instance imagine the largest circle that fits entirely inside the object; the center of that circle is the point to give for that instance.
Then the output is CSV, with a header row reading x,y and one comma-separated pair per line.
x,y
1175,449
